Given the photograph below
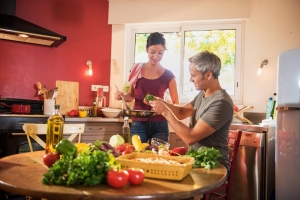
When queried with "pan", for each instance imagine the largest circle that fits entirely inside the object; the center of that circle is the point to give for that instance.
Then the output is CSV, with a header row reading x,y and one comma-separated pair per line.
x,y
139,113
18,108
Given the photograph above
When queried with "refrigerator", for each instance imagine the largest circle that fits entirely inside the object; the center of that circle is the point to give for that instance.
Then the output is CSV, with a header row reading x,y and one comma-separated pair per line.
x,y
287,136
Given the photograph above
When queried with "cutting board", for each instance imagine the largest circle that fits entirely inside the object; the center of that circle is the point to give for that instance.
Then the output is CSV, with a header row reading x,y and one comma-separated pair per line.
x,y
68,96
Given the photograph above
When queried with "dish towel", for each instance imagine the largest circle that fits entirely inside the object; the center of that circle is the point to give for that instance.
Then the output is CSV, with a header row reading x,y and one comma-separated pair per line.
x,y
135,73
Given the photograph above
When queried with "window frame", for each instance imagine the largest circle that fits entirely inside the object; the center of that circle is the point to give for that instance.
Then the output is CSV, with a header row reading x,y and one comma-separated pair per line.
x,y
132,29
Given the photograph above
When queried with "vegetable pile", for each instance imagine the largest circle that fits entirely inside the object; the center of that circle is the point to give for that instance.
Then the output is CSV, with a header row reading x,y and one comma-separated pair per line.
x,y
89,167
205,157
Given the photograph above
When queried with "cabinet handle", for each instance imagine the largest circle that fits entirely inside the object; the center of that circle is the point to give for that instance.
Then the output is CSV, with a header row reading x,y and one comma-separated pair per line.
x,y
95,129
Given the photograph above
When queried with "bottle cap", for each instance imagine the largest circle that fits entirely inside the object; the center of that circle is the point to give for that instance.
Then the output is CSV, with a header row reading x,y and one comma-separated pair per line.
x,y
125,118
56,106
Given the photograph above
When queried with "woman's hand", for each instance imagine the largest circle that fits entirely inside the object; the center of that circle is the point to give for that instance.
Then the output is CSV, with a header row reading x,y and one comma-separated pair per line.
x,y
118,95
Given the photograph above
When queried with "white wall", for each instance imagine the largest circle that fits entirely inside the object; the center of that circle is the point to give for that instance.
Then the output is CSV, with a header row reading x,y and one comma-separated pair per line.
x,y
271,26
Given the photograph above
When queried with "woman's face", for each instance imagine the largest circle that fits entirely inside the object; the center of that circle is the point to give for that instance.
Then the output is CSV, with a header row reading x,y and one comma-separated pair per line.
x,y
155,53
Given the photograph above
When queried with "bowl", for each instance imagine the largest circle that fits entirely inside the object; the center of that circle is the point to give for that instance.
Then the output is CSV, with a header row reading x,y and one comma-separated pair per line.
x,y
160,143
111,112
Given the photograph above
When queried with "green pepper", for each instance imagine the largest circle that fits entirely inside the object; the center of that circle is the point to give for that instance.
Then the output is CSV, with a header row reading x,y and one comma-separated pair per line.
x,y
149,97
66,147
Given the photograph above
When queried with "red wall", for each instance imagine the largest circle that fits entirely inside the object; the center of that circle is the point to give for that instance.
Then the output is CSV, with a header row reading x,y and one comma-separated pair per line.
x,y
84,23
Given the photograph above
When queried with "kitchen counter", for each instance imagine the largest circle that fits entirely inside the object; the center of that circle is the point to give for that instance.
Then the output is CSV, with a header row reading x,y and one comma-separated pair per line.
x,y
69,119
248,127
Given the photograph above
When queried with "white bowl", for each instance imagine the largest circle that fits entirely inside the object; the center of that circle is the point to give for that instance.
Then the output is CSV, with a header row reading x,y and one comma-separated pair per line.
x,y
111,112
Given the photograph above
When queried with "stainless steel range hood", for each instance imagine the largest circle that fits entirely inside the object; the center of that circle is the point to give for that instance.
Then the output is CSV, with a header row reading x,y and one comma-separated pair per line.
x,y
16,29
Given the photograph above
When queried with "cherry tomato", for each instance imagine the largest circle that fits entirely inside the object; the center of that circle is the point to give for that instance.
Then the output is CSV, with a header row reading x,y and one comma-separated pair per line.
x,y
50,158
117,178
126,151
236,108
136,176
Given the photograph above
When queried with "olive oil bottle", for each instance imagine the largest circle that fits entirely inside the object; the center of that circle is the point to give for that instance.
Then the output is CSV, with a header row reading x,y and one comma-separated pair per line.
x,y
55,126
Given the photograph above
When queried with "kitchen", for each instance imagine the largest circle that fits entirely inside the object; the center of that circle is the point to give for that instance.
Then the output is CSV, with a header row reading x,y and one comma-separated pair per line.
x,y
270,28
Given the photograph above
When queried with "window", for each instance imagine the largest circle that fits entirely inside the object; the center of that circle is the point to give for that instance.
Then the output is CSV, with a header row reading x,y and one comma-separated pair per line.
x,y
184,41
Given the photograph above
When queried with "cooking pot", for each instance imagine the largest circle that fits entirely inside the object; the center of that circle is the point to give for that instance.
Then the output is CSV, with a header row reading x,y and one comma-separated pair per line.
x,y
18,108
139,113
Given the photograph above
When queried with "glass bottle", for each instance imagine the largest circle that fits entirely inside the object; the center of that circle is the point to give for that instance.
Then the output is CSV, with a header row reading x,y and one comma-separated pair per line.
x,y
126,130
55,126
94,109
100,102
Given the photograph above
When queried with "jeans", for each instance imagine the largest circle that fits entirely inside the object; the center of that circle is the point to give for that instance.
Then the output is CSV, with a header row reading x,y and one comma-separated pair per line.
x,y
148,130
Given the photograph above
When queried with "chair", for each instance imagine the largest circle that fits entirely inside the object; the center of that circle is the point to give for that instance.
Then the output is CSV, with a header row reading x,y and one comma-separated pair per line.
x,y
234,138
33,130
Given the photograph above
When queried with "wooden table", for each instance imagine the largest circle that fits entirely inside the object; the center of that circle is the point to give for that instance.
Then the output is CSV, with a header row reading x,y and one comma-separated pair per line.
x,y
23,173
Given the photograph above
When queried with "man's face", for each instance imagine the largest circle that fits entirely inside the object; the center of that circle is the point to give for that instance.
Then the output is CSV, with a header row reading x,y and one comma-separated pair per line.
x,y
200,81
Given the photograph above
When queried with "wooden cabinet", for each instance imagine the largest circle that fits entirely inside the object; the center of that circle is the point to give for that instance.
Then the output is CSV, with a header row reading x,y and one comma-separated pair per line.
x,y
99,130
175,141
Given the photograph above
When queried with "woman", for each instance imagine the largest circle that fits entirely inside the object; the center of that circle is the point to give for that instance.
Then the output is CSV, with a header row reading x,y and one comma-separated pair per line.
x,y
150,78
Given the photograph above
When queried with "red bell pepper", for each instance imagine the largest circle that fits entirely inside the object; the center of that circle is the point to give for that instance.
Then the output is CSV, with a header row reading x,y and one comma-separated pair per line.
x,y
177,151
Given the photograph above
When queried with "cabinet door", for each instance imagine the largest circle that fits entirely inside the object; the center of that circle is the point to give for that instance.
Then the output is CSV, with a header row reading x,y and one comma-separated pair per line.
x,y
100,131
176,141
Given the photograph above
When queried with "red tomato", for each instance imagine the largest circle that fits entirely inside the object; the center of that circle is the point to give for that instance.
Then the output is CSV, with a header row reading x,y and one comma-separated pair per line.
x,y
117,178
236,108
136,176
126,151
121,148
50,158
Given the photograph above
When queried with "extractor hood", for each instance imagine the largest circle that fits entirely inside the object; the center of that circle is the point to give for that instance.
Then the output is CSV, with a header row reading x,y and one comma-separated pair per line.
x,y
16,29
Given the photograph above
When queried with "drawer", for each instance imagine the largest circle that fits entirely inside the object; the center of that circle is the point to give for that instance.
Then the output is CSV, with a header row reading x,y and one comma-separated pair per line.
x,y
115,128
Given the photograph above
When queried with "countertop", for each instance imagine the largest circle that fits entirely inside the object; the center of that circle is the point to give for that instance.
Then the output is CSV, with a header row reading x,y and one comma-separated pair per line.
x,y
70,119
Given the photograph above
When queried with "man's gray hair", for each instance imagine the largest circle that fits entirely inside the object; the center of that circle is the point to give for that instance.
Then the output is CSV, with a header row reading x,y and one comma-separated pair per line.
x,y
207,61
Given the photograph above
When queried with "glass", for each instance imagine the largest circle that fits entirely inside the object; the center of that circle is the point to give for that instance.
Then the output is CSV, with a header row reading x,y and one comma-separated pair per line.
x,y
160,143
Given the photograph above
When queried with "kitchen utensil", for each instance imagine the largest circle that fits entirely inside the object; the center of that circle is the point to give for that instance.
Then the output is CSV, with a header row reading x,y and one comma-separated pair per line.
x,y
139,113
18,108
126,105
238,113
111,112
68,96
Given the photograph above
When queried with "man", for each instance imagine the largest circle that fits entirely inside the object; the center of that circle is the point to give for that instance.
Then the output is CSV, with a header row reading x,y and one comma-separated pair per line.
x,y
210,112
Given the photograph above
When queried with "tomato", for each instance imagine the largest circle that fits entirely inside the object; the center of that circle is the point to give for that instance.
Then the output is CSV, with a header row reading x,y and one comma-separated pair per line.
x,y
50,158
73,113
121,148
136,176
236,108
117,178
126,151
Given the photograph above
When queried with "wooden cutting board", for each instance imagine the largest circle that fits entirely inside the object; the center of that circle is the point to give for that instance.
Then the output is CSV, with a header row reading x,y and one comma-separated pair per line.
x,y
68,96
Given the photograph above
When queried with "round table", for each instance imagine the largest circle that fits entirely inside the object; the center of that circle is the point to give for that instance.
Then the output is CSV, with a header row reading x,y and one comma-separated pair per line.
x,y
23,173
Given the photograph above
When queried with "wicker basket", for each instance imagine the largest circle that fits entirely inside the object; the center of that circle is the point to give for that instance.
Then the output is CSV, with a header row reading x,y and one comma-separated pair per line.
x,y
160,171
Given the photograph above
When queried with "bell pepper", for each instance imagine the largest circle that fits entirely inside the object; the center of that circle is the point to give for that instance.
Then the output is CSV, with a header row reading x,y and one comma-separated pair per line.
x,y
82,147
66,148
177,151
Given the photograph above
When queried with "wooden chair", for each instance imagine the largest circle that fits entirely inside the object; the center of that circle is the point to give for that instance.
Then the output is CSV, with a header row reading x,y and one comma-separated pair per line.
x,y
234,138
33,130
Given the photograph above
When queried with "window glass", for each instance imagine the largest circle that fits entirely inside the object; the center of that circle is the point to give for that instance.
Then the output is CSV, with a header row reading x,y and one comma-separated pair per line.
x,y
184,41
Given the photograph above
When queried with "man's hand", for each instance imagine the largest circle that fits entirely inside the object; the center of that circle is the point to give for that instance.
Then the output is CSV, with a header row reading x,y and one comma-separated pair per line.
x,y
158,105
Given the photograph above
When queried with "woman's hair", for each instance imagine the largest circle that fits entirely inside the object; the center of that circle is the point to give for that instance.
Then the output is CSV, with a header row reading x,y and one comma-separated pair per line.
x,y
156,38
207,61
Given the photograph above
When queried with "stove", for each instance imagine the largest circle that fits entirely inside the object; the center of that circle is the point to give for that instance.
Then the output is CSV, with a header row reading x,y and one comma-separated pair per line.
x,y
37,106
12,137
